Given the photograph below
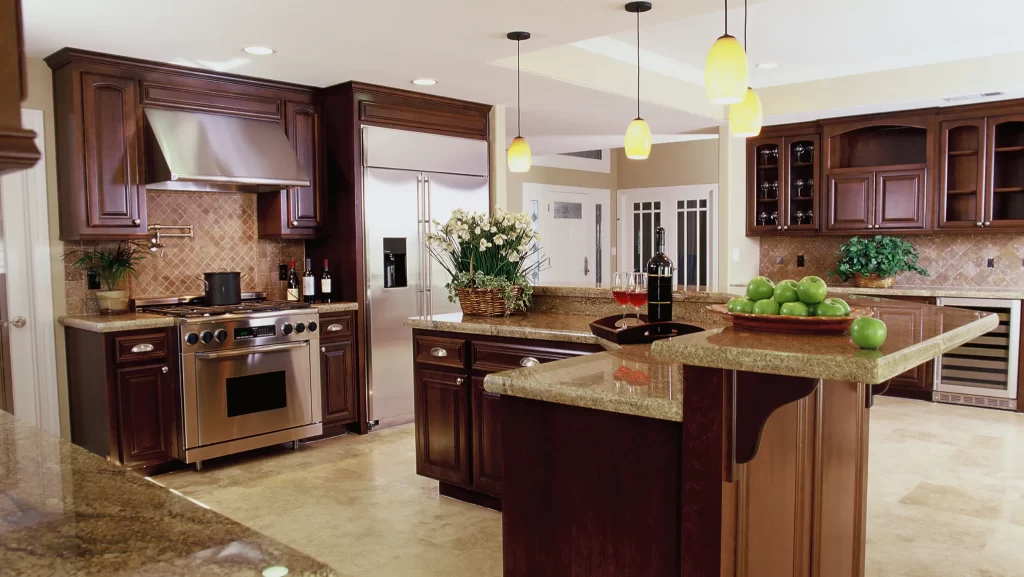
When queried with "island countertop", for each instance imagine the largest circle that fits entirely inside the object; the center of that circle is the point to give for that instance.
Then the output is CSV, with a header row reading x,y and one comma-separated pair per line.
x,y
66,511
548,327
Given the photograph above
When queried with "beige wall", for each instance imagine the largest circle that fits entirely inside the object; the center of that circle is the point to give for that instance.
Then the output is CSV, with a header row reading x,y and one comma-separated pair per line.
x,y
560,176
670,164
40,97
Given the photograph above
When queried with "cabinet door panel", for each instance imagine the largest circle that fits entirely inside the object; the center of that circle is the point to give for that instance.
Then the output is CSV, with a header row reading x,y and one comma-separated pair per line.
x,y
142,406
442,414
908,322
304,134
961,173
851,199
337,371
802,160
900,199
488,468
1004,176
112,128
766,185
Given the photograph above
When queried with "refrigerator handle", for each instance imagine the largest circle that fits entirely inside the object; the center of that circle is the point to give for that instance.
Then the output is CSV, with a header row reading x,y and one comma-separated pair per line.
x,y
426,256
419,242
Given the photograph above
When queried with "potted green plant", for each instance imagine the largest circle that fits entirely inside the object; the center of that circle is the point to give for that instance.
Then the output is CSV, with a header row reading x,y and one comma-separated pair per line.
x,y
113,264
489,260
874,262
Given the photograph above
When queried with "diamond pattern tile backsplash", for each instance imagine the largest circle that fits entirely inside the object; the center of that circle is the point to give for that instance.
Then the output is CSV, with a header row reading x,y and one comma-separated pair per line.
x,y
225,238
952,260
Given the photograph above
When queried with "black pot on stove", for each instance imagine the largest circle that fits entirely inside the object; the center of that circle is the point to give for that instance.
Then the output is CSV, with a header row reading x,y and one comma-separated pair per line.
x,y
222,288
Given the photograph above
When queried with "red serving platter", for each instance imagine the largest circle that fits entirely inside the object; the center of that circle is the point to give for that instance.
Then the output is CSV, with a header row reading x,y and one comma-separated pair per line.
x,y
788,324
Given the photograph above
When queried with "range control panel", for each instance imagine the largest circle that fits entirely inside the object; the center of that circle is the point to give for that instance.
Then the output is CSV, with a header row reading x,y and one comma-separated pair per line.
x,y
242,333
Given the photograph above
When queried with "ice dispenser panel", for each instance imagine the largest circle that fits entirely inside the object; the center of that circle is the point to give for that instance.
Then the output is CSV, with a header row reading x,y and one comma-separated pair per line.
x,y
394,263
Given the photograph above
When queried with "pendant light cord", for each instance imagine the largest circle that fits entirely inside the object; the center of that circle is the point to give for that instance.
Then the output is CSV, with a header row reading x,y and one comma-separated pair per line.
x,y
519,104
638,64
727,17
745,49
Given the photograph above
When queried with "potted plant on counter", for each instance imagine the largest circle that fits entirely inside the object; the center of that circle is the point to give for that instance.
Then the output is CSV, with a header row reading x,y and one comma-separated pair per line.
x,y
113,264
489,260
874,262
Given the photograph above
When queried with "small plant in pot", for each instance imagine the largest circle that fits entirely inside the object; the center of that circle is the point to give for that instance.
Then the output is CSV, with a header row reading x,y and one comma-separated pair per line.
x,y
489,260
113,264
874,262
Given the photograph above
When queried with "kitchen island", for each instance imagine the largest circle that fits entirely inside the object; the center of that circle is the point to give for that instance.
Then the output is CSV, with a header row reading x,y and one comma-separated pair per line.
x,y
721,452
66,511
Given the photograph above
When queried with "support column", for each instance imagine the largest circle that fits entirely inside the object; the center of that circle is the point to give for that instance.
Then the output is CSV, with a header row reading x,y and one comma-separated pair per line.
x,y
738,255
496,120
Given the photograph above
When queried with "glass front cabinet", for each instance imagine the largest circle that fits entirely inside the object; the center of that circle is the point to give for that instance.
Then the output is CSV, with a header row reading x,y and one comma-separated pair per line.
x,y
783,184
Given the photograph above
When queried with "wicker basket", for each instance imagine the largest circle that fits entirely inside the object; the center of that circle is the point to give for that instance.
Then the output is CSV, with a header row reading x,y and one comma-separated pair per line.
x,y
485,302
873,281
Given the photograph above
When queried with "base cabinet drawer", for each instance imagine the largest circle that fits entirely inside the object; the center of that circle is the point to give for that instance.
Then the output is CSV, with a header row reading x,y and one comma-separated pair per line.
x,y
442,351
497,357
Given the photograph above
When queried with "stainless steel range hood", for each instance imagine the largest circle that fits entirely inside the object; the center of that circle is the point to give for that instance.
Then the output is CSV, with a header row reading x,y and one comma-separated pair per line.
x,y
216,153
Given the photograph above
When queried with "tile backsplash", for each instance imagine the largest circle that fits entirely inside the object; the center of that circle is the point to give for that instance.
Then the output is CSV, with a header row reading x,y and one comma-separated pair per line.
x,y
225,238
958,260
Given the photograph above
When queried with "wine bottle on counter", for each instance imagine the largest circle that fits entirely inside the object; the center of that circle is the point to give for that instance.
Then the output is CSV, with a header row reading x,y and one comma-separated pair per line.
x,y
325,284
659,284
293,282
308,283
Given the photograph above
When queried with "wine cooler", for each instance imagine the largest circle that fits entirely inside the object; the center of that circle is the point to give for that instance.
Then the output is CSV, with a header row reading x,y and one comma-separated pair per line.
x,y
982,372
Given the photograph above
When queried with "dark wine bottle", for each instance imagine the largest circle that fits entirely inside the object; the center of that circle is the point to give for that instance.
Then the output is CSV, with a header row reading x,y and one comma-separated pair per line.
x,y
659,284
325,284
293,282
308,283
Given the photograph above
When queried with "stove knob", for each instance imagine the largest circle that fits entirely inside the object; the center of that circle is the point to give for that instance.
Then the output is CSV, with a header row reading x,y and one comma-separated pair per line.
x,y
207,336
311,326
287,329
300,328
221,335
191,339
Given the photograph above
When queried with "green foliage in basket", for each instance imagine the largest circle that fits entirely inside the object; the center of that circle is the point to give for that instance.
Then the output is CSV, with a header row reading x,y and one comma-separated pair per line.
x,y
886,256
112,263
480,252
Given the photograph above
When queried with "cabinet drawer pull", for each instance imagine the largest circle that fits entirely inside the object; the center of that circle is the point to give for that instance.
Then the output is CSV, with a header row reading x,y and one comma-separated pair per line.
x,y
459,381
528,362
323,349
164,370
136,222
334,328
438,352
143,348
987,223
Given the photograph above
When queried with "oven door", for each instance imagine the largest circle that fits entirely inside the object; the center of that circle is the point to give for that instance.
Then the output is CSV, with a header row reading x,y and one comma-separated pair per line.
x,y
245,392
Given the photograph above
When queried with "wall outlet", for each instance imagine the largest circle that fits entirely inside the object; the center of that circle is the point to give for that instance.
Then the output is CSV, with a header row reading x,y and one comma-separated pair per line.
x,y
92,280
282,272
780,260
800,261
991,263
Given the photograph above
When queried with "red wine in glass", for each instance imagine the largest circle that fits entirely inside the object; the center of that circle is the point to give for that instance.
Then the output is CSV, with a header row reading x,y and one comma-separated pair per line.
x,y
622,297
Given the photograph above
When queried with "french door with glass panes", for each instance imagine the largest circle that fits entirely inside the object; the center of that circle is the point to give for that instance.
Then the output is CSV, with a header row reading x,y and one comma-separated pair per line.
x,y
688,214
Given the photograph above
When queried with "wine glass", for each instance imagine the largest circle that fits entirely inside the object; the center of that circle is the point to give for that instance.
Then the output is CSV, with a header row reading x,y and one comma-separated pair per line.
x,y
810,152
775,189
775,217
810,184
798,151
765,155
621,286
762,217
765,187
799,186
810,216
638,294
799,216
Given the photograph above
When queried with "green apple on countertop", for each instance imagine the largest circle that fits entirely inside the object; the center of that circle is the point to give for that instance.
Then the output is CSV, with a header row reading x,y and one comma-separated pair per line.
x,y
794,309
868,332
760,288
811,290
785,292
827,309
766,307
740,305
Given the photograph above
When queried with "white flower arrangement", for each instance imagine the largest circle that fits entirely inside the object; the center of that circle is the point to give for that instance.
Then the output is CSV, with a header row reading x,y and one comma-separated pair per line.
x,y
480,252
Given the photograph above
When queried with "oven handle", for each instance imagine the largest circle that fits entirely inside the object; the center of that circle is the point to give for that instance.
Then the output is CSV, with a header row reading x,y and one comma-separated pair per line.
x,y
242,352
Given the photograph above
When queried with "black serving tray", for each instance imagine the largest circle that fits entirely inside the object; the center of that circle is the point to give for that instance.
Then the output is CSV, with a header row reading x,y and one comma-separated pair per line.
x,y
638,334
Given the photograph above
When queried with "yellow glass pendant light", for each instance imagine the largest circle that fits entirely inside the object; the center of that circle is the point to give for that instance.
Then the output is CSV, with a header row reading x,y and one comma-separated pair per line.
x,y
519,157
746,118
725,72
638,133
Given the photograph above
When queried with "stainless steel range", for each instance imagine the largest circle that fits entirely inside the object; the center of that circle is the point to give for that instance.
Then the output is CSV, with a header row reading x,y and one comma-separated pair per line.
x,y
250,375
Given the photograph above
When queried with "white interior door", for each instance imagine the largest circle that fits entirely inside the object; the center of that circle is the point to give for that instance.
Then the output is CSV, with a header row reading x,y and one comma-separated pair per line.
x,y
688,214
575,234
25,262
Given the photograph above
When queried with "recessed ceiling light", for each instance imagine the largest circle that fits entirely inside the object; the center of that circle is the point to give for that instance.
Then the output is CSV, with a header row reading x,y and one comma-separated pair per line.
x,y
768,65
424,82
258,50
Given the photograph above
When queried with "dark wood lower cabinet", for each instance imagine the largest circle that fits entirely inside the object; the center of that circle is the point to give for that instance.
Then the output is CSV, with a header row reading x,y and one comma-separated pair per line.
x,y
339,373
458,424
917,383
145,402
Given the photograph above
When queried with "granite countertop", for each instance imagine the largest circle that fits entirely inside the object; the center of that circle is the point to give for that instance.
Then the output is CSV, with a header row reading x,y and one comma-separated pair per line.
x,y
920,291
113,323
336,307
627,380
605,293
66,511
917,333
548,327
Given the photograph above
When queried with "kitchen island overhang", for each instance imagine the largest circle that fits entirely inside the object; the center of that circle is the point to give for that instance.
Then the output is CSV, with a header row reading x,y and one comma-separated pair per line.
x,y
768,459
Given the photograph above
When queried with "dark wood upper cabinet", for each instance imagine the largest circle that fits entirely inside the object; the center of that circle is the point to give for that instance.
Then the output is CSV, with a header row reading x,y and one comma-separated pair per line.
x,y
1004,181
783,182
961,194
296,212
17,145
900,199
766,180
802,175
851,202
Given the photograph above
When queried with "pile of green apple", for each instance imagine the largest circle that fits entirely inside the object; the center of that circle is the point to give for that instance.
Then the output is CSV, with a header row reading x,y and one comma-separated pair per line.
x,y
805,298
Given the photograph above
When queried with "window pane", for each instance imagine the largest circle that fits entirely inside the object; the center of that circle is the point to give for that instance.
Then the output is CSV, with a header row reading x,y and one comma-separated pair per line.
x,y
647,206
702,248
657,206
636,206
691,204
573,210
638,232
647,232
681,204
597,260
657,222
681,247
691,247
703,203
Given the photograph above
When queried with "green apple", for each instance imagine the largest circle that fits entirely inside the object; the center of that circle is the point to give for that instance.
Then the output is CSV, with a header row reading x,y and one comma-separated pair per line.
x,y
868,332
811,290
760,288
840,302
828,309
812,310
795,309
740,305
785,292
766,307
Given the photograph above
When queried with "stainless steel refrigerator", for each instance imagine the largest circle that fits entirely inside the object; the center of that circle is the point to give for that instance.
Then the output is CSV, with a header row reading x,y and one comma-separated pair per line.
x,y
409,178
